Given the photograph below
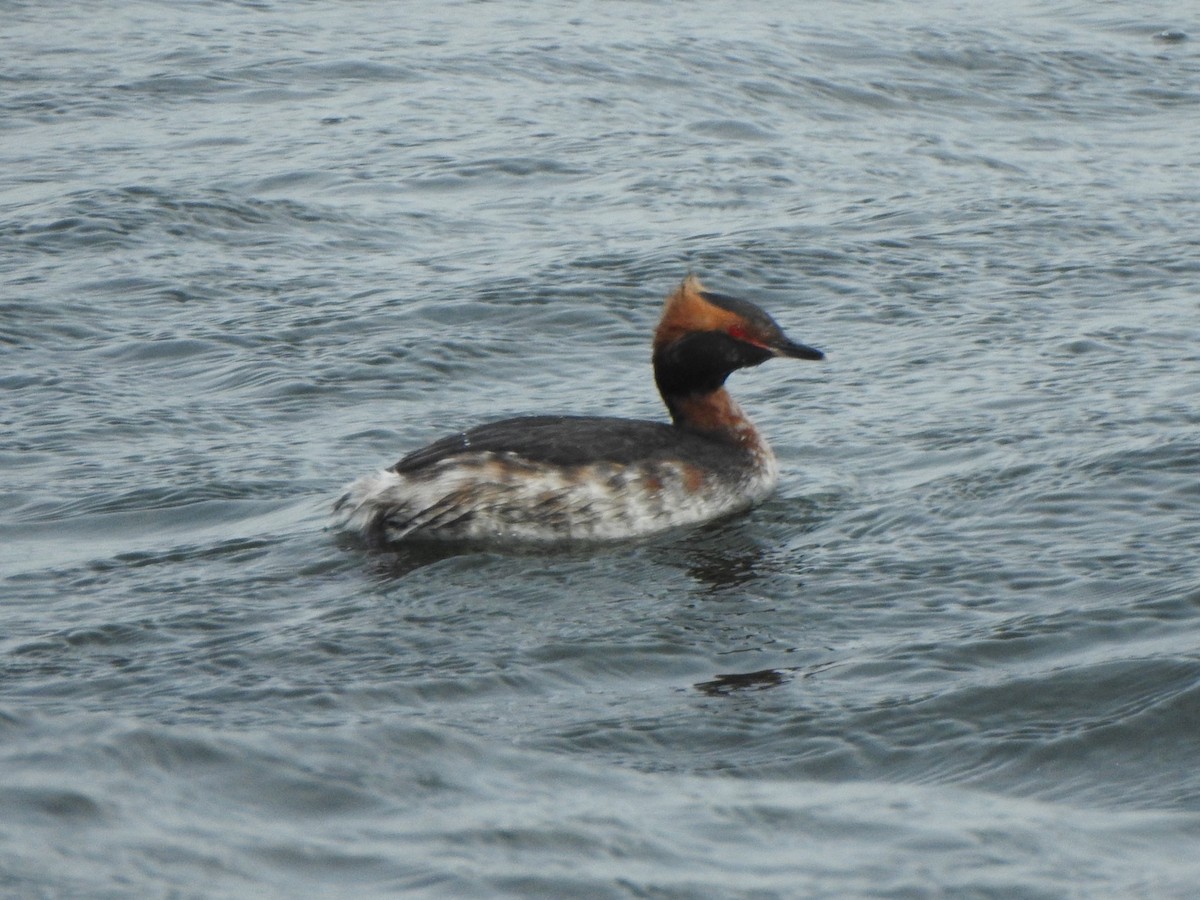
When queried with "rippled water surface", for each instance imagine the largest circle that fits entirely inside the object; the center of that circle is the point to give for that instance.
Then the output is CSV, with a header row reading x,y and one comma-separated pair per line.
x,y
250,251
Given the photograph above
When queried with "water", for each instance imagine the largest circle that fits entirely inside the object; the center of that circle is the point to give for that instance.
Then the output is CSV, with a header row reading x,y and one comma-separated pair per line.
x,y
251,251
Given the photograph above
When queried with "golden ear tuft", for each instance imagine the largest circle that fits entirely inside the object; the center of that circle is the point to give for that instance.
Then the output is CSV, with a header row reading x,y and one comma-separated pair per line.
x,y
686,311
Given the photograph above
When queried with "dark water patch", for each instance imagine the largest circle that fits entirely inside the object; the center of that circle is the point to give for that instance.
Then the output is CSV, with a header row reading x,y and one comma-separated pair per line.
x,y
178,86
334,71
730,682
33,806
140,215
733,130
1170,36
194,503
287,182
1066,82
168,350
444,173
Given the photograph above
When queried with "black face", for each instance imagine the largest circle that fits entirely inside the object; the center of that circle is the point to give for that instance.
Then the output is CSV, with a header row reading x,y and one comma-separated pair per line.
x,y
699,363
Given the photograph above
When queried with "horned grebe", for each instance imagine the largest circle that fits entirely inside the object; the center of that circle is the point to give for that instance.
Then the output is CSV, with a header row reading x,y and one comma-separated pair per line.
x,y
551,478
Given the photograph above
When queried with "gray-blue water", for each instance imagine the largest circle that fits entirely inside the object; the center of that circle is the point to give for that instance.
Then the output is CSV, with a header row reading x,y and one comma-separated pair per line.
x,y
250,251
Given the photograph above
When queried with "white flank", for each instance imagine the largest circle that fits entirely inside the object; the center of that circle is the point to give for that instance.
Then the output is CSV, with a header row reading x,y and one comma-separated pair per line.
x,y
494,496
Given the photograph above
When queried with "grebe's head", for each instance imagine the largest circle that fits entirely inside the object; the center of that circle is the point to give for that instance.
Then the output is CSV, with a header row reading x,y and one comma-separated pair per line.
x,y
703,336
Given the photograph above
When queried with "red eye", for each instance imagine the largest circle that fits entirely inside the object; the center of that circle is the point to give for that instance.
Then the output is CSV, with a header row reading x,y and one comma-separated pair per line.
x,y
739,333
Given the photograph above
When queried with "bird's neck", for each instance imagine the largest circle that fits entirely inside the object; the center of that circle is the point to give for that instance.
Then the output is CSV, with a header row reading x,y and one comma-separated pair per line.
x,y
715,414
